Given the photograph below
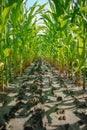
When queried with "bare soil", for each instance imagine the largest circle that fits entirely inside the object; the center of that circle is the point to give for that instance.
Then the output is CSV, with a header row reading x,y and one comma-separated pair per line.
x,y
42,99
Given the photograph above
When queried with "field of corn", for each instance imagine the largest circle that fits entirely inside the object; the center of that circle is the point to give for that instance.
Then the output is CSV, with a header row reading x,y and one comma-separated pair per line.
x,y
43,65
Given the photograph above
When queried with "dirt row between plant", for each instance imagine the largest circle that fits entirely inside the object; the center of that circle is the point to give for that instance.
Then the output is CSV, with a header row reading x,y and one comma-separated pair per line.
x,y
43,100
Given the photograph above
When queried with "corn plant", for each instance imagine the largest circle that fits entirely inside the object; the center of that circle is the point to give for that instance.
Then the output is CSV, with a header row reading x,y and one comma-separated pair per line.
x,y
19,41
66,36
61,37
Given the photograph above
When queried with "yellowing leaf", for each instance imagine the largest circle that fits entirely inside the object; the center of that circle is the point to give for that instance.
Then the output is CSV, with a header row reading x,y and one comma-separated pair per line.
x,y
83,8
1,65
19,42
6,52
19,17
80,45
61,20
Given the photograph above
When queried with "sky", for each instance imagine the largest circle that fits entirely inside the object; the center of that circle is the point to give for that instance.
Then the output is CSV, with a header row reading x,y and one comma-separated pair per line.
x,y
31,2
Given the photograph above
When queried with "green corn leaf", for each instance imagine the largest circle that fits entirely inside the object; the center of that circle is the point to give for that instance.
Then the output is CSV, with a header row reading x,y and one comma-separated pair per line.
x,y
52,6
47,17
41,7
11,2
80,65
32,9
4,17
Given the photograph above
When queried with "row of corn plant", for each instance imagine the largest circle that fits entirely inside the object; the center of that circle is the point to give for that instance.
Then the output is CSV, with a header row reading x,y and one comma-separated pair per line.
x,y
64,37
61,37
19,41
